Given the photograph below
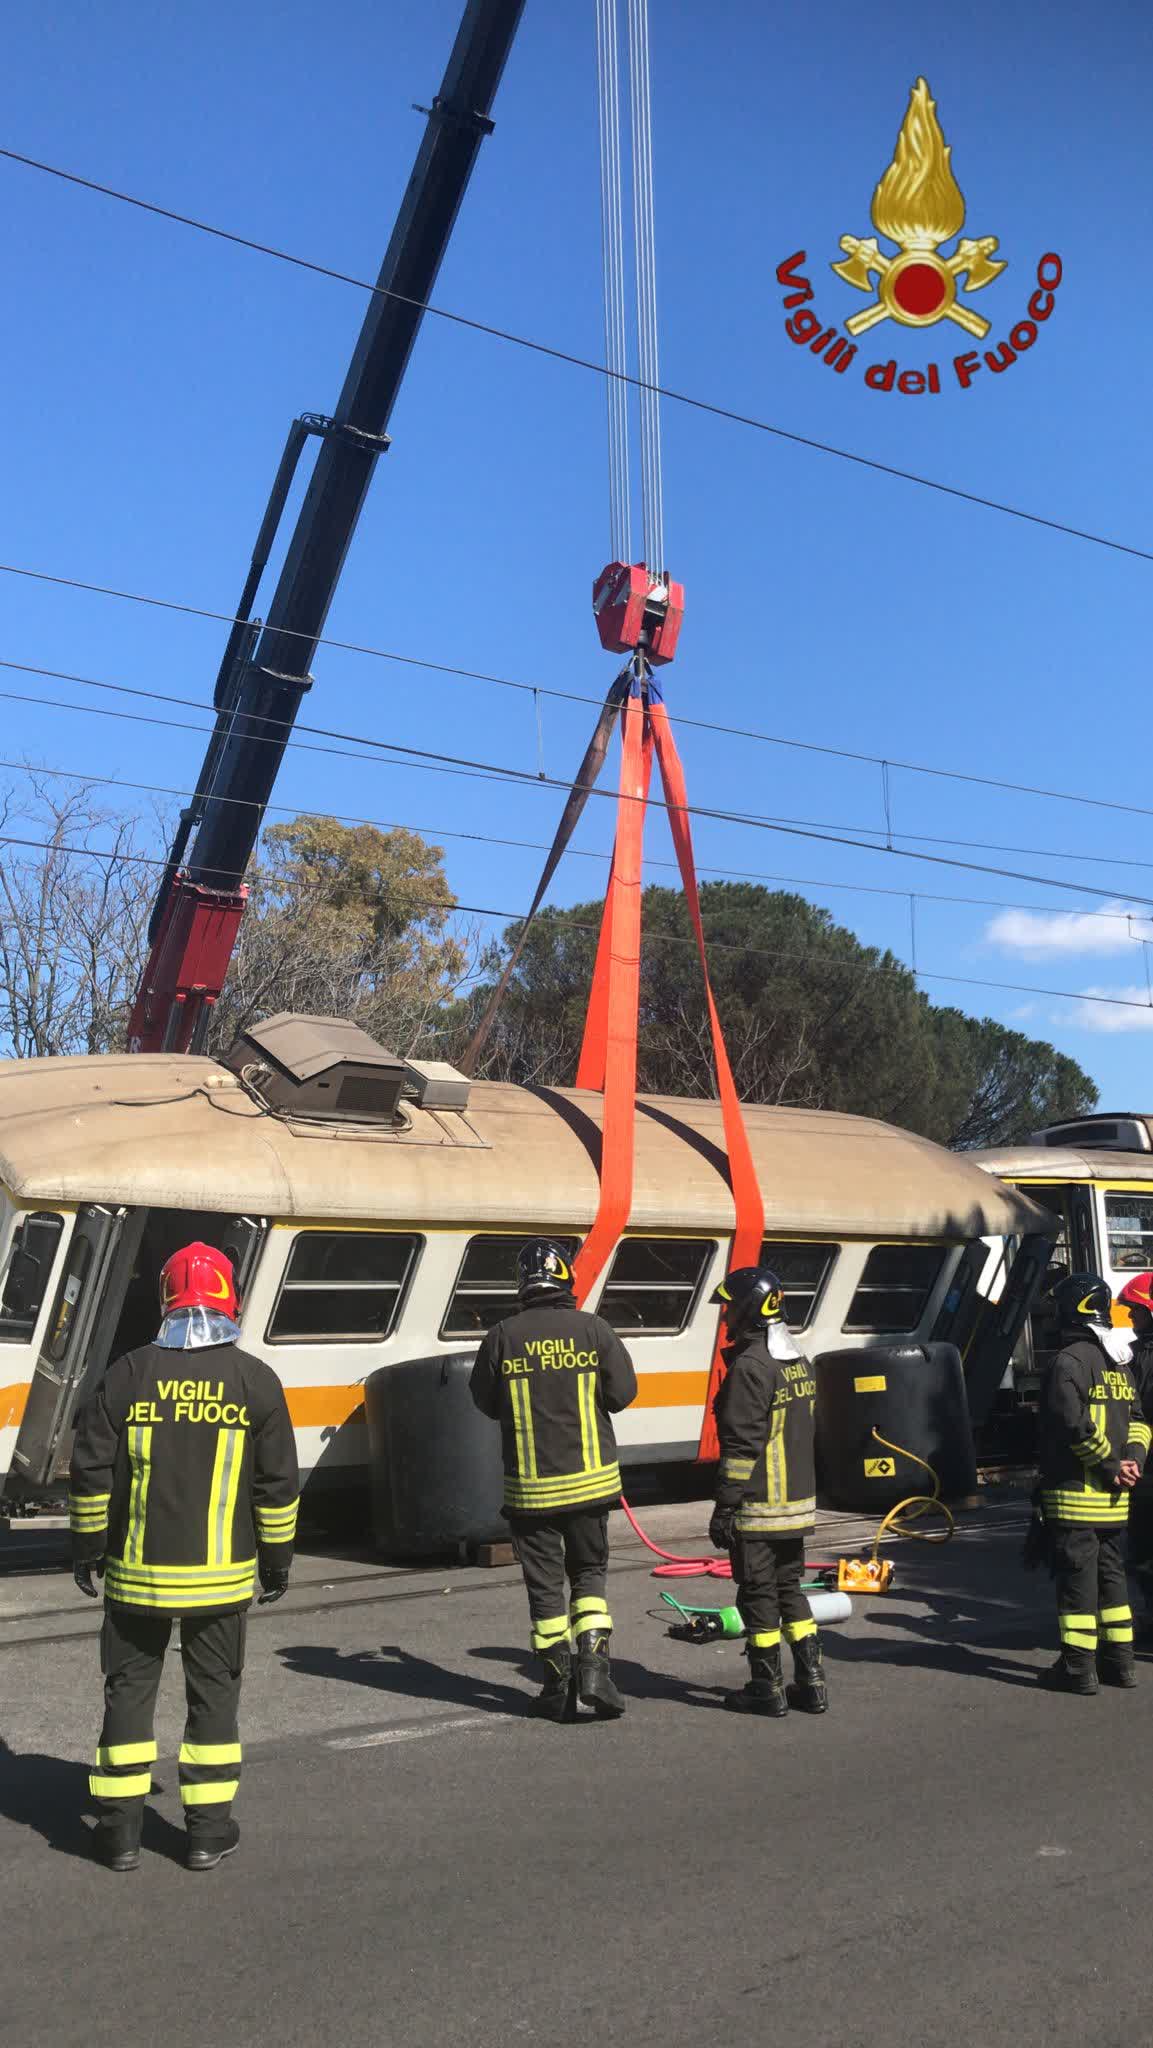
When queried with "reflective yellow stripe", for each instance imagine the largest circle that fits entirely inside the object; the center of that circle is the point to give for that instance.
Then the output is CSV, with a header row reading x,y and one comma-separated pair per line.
x,y
1140,1433
586,1401
517,1394
210,1753
546,1635
529,1437
798,1630
582,1623
277,1525
563,1491
114,1753
1118,1635
140,1458
209,1795
1115,1614
222,1498
737,1468
764,1638
589,1604
119,1788
88,1512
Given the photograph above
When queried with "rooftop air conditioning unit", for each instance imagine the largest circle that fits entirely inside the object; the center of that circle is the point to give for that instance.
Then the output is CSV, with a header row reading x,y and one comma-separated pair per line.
x,y
324,1067
435,1084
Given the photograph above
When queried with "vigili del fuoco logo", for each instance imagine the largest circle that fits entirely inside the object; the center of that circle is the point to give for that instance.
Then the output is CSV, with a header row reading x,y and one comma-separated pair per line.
x,y
919,206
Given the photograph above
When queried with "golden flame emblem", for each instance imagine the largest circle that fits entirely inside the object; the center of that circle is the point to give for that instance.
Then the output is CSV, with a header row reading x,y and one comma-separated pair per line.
x,y
919,205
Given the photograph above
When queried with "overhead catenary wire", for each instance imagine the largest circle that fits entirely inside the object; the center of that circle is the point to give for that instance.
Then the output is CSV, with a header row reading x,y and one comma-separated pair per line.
x,y
698,404
768,739
560,917
455,832
433,761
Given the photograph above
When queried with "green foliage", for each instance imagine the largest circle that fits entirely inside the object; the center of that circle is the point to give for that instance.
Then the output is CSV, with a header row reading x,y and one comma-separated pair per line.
x,y
811,1017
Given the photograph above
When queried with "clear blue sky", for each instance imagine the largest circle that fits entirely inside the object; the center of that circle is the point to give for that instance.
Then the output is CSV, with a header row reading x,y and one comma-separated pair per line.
x,y
150,376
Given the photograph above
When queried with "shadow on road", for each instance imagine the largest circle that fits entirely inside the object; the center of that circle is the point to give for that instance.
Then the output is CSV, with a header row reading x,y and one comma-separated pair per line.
x,y
394,1670
50,1795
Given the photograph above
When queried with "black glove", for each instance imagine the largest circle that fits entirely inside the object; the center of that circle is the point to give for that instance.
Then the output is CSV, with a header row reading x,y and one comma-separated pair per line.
x,y
721,1528
82,1573
274,1579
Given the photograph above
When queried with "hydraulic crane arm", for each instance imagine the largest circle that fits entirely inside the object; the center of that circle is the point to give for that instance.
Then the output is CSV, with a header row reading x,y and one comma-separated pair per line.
x,y
265,669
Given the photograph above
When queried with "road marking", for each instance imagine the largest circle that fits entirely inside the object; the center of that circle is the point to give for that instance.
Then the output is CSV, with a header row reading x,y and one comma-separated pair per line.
x,y
1054,1851
380,1736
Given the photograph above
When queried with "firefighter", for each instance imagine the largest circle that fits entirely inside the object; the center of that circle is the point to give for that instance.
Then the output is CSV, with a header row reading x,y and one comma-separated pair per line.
x,y
766,1492
1137,1297
1094,1441
183,1487
552,1376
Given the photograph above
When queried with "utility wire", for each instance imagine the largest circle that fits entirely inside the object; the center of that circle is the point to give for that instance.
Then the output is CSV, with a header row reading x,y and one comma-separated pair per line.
x,y
437,832
435,762
703,405
560,918
578,697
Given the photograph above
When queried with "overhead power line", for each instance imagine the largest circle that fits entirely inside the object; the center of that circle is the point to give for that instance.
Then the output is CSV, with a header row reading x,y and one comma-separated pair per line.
x,y
653,390
433,761
454,832
560,917
883,762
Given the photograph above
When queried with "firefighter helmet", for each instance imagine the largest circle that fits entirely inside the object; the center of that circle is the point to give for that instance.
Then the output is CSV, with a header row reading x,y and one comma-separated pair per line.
x,y
1082,1298
542,1267
750,1295
1138,1292
198,1277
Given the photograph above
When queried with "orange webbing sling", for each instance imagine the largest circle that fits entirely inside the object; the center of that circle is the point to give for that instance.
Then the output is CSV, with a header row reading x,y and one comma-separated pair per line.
x,y
749,1232
621,966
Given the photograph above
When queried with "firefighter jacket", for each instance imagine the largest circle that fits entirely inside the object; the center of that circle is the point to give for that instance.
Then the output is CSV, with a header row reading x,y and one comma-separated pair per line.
x,y
183,1467
1091,1418
764,1414
552,1376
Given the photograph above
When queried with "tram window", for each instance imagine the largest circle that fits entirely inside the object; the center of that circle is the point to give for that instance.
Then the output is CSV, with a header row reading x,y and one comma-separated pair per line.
x,y
1129,1224
804,1269
653,1283
29,1271
486,1284
894,1287
343,1286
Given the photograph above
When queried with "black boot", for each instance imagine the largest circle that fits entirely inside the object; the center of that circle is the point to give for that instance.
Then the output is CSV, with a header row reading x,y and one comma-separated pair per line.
x,y
116,1846
209,1846
809,1691
555,1701
1074,1671
765,1691
594,1675
1117,1667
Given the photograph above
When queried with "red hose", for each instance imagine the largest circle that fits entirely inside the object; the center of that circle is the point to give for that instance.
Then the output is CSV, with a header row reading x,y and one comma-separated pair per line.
x,y
679,1567
693,1567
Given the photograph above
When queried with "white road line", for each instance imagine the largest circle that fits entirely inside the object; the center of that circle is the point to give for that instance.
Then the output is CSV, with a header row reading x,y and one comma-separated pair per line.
x,y
380,1736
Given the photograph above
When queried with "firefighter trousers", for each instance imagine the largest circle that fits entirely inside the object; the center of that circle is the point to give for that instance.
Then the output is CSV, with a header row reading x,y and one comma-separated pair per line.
x,y
132,1647
1093,1608
768,1571
551,1549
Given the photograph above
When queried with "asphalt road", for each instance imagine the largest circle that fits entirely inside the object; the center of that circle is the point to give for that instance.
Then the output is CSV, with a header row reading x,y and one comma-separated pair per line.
x,y
951,1857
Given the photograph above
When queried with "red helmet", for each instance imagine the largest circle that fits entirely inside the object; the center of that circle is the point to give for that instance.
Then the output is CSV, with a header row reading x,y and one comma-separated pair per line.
x,y
198,1277
1138,1292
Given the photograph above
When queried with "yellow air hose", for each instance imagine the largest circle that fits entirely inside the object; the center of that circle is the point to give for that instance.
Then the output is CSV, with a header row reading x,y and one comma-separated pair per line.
x,y
916,1505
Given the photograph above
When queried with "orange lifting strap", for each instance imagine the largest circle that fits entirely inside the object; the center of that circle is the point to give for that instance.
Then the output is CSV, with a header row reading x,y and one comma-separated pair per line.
x,y
609,1052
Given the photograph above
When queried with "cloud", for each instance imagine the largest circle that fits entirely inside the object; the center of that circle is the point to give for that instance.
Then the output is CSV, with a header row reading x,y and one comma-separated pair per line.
x,y
1111,1017
1035,935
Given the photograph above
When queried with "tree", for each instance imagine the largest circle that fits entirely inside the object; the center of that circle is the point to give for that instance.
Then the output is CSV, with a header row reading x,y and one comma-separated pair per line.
x,y
347,921
74,900
811,1017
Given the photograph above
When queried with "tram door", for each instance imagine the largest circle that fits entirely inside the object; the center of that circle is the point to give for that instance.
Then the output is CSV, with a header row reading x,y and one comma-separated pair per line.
x,y
81,1319
1075,1250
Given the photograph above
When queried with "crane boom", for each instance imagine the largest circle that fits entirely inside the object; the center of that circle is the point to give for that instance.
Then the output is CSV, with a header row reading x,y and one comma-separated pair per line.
x,y
265,670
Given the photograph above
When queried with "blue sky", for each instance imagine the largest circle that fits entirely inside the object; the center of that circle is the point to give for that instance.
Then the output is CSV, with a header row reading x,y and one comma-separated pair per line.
x,y
151,375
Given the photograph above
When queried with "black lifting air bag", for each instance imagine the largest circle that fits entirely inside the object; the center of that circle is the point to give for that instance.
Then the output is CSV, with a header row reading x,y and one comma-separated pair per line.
x,y
434,1459
913,1394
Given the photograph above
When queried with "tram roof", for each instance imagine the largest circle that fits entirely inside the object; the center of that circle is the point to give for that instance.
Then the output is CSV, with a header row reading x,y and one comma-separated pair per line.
x,y
171,1131
1062,1163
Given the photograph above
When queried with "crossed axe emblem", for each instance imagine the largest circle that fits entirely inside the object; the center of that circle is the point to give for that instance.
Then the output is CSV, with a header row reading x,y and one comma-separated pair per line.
x,y
971,259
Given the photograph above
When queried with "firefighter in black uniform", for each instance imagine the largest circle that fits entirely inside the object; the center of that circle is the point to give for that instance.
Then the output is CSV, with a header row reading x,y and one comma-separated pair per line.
x,y
1137,1297
184,1485
766,1492
1094,1440
552,1376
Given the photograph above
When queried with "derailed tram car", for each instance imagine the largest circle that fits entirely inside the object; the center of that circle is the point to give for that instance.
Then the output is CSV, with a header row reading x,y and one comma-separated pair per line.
x,y
1094,1178
373,1210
